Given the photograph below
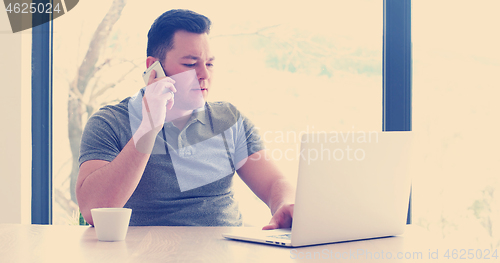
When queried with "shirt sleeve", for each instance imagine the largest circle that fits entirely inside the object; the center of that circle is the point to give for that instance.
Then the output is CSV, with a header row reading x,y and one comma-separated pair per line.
x,y
248,140
99,140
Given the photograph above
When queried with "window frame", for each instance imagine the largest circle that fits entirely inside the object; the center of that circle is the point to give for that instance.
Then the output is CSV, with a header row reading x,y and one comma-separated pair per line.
x,y
41,118
397,99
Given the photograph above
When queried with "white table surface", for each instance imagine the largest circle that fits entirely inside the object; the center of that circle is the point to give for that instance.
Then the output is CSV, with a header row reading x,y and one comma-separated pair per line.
x,y
71,244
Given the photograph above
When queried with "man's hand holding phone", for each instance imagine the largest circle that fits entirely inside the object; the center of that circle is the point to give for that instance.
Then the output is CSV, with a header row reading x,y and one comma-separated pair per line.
x,y
158,97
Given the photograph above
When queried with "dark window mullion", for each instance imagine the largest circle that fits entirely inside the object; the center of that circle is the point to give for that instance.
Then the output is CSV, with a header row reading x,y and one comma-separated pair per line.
x,y
397,69
41,121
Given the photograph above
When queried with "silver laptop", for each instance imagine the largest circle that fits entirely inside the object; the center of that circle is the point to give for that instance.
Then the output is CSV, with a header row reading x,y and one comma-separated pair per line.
x,y
350,186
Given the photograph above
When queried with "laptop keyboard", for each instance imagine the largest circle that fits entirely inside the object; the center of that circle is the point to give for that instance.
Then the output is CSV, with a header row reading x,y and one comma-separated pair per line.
x,y
284,236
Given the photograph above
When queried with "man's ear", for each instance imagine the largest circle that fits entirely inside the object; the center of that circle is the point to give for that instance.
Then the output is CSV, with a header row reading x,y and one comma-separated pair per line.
x,y
149,61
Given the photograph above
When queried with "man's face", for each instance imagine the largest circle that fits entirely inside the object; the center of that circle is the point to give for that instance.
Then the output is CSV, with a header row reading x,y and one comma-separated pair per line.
x,y
190,51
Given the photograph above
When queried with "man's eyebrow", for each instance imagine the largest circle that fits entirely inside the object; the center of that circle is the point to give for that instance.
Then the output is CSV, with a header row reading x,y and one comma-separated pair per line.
x,y
196,58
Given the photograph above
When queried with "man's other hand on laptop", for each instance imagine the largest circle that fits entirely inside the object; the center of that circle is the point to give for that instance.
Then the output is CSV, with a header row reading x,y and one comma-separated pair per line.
x,y
282,218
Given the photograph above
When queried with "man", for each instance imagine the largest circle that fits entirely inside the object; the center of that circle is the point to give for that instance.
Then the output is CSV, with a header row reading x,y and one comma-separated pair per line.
x,y
153,152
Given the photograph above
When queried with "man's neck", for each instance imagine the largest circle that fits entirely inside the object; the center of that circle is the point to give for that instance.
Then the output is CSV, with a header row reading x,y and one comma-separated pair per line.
x,y
178,117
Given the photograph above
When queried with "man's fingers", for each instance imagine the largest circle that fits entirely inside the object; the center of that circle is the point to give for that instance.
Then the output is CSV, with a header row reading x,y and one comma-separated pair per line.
x,y
290,211
170,86
170,103
160,89
152,77
273,223
161,86
270,226
171,80
281,219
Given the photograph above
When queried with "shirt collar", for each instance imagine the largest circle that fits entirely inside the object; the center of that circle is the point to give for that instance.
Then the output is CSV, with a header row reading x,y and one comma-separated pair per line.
x,y
201,114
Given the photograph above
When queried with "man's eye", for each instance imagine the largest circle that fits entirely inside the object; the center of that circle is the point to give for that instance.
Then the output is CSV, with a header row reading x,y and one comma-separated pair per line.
x,y
210,65
189,65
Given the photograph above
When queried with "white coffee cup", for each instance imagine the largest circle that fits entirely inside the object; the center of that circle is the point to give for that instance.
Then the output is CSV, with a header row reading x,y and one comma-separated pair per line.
x,y
111,224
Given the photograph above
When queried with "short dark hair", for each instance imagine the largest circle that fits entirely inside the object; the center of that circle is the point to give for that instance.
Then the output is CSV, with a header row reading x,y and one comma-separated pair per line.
x,y
161,33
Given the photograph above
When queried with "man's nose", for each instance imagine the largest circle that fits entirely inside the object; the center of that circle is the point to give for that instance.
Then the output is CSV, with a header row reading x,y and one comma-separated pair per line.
x,y
203,72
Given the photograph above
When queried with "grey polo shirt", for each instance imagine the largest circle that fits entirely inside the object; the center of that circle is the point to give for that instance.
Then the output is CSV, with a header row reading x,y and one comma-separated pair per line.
x,y
188,178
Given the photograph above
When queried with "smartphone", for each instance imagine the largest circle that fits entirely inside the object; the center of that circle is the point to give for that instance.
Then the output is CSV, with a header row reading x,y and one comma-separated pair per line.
x,y
157,67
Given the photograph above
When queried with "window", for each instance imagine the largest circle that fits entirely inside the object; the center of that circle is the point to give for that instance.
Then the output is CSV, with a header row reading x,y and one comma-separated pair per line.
x,y
455,83
289,68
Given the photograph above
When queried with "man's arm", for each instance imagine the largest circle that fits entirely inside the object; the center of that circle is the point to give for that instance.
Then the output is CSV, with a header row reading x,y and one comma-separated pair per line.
x,y
263,177
110,184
